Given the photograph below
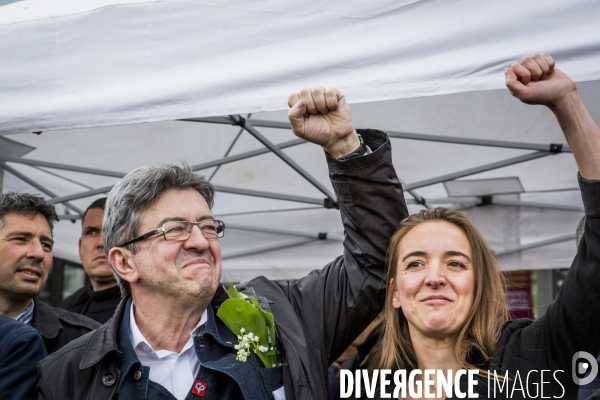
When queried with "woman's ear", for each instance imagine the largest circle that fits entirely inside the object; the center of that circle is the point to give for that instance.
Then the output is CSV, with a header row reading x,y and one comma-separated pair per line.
x,y
121,259
395,296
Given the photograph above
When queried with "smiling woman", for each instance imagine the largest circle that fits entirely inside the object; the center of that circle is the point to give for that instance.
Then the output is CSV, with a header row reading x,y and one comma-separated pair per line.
x,y
445,308
446,311
439,268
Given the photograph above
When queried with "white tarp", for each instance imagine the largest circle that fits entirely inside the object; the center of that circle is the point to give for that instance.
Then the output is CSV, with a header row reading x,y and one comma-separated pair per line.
x,y
485,115
71,63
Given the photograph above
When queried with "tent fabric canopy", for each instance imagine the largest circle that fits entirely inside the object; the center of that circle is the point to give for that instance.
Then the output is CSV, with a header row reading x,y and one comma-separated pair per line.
x,y
70,64
73,69
275,216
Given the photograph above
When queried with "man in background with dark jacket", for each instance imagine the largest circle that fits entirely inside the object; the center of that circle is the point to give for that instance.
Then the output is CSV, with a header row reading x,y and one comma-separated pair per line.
x,y
26,222
98,299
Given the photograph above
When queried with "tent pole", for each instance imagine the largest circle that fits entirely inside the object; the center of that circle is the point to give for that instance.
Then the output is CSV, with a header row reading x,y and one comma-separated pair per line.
x,y
410,136
541,243
552,148
309,235
218,188
546,206
475,201
284,157
37,186
262,249
65,167
82,195
248,154
476,170
269,195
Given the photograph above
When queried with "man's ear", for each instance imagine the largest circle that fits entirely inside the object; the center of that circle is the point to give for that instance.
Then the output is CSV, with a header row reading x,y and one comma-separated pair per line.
x,y
122,262
395,297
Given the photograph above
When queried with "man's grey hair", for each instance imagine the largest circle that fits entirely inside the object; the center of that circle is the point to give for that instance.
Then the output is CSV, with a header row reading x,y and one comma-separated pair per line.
x,y
135,193
28,204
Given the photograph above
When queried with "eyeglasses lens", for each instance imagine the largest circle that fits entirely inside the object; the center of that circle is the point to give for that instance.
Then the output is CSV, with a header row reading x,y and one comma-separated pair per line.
x,y
182,230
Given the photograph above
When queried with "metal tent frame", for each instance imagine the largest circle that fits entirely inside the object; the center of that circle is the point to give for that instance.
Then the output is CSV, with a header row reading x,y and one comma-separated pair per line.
x,y
249,125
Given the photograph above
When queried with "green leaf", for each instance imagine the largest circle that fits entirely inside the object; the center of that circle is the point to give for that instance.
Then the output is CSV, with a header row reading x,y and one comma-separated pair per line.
x,y
238,313
234,294
269,322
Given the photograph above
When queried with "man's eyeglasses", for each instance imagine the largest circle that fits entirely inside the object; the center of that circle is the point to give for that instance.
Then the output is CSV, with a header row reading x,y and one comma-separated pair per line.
x,y
182,230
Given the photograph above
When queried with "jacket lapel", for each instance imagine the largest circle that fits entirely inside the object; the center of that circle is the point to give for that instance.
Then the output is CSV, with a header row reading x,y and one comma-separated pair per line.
x,y
104,339
45,320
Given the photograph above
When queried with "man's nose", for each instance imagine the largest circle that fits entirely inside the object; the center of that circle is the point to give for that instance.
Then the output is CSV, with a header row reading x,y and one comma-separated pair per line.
x,y
100,242
36,250
196,241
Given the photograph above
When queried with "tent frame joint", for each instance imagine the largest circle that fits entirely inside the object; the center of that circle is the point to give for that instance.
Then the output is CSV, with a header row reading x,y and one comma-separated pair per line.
x,y
556,148
329,203
487,200
239,121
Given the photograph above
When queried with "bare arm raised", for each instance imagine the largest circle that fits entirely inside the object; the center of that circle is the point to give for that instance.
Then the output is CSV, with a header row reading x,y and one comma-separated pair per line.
x,y
571,322
535,80
322,116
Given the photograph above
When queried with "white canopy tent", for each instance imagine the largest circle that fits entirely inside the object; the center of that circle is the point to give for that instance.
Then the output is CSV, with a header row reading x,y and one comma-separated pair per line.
x,y
69,66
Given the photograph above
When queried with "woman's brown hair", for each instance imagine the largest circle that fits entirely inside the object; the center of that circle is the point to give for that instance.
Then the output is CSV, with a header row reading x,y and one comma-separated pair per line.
x,y
481,329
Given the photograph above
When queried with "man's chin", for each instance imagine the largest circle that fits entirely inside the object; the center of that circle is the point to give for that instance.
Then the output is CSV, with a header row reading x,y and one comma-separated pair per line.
x,y
27,291
105,280
101,272
207,290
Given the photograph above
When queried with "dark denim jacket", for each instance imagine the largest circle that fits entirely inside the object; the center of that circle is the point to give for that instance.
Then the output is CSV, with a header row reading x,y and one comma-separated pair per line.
x,y
222,375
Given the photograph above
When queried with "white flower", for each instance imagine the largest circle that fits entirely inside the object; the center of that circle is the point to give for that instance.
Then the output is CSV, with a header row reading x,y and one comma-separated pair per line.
x,y
245,342
248,342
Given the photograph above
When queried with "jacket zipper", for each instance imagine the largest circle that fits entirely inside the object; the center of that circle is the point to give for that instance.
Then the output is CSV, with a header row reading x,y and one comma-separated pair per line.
x,y
116,385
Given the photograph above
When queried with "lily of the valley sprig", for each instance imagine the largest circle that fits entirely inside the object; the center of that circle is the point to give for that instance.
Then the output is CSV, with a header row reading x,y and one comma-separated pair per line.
x,y
254,327
246,343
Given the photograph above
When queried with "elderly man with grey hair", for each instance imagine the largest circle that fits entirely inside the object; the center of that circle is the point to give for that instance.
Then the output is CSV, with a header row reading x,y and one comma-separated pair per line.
x,y
166,340
26,222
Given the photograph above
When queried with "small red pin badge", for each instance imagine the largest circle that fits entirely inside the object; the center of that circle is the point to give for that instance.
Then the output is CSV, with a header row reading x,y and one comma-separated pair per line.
x,y
199,388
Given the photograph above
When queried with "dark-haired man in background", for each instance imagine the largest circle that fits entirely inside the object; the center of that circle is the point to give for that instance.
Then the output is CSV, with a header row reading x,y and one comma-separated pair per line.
x,y
98,299
26,222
